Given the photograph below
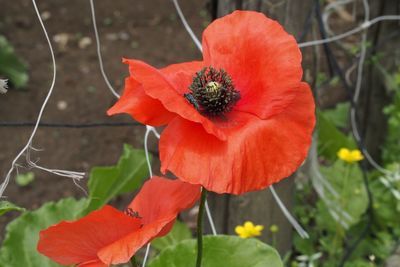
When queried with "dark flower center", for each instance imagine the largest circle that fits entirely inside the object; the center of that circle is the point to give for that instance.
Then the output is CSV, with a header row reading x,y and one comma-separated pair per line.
x,y
212,92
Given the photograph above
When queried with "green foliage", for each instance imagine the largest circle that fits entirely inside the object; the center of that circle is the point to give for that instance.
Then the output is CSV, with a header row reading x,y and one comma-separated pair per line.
x,y
348,205
219,251
321,79
22,235
25,178
391,149
391,153
6,206
330,138
339,115
327,236
178,233
11,66
105,183
347,180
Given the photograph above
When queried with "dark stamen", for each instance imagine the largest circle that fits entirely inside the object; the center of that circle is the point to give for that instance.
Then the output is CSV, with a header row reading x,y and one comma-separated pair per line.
x,y
212,92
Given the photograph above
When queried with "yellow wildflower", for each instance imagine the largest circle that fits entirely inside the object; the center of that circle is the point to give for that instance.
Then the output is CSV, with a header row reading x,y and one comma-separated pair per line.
x,y
248,229
350,156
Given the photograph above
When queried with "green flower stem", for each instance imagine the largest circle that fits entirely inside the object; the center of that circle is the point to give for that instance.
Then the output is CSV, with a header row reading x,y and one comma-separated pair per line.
x,y
274,240
134,262
200,217
338,239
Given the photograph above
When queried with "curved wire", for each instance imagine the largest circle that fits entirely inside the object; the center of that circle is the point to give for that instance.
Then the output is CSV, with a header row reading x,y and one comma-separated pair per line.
x,y
187,26
73,175
96,34
362,27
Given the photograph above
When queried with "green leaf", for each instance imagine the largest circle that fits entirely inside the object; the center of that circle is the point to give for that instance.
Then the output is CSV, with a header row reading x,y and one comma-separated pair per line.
x,y
178,233
25,179
11,67
347,180
219,251
330,139
339,115
22,234
6,206
106,183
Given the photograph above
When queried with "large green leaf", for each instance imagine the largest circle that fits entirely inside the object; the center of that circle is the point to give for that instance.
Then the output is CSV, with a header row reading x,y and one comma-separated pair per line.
x,y
10,66
219,251
179,232
347,180
106,183
330,139
22,235
6,206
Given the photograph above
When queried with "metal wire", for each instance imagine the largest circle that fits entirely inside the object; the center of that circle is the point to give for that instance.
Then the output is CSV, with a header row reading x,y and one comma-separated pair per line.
x,y
96,34
25,149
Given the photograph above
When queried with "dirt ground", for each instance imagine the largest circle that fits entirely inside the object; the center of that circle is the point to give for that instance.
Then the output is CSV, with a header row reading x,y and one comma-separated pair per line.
x,y
147,30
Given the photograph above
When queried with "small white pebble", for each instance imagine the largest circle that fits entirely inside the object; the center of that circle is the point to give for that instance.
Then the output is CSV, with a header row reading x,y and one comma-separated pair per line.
x,y
85,42
45,15
3,86
62,39
112,36
123,36
62,105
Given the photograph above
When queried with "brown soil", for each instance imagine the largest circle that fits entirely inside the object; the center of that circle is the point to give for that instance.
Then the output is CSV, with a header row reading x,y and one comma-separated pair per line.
x,y
148,30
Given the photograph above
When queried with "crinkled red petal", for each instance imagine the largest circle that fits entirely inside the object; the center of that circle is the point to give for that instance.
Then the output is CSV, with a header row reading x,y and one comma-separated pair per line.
x,y
168,85
158,203
123,249
256,153
109,236
263,60
174,196
143,108
79,241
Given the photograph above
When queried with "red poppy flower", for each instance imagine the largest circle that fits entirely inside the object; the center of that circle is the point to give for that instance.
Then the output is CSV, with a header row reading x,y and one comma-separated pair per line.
x,y
109,236
237,121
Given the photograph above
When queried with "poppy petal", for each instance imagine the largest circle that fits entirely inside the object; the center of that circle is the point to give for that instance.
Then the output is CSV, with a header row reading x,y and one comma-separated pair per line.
x,y
259,152
163,85
263,60
174,196
140,106
157,217
123,249
181,74
76,242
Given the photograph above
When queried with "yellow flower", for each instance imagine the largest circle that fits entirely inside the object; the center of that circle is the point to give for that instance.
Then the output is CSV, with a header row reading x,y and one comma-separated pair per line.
x,y
350,156
248,230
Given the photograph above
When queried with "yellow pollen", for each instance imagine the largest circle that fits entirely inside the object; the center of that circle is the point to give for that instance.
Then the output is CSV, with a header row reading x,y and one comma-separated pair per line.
x,y
212,87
